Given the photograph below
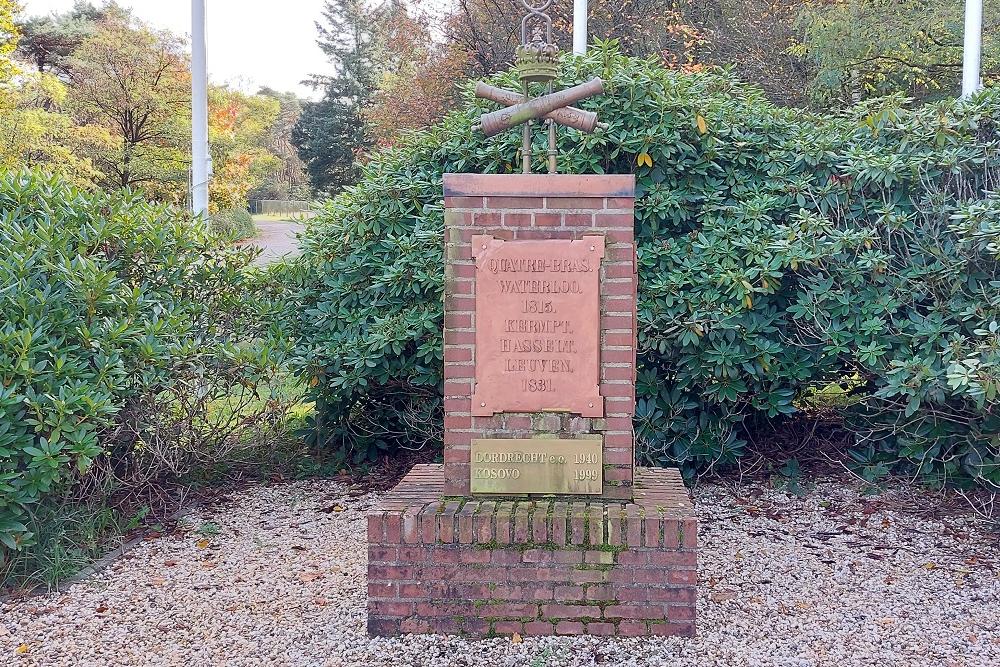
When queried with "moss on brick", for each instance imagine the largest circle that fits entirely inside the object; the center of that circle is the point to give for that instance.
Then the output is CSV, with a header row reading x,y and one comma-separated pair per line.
x,y
525,546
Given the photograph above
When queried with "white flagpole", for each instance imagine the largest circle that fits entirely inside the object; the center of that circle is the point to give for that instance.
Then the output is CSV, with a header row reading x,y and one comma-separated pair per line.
x,y
580,27
973,50
199,111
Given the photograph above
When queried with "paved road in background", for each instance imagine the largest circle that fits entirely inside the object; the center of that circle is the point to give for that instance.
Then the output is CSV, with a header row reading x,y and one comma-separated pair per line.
x,y
277,239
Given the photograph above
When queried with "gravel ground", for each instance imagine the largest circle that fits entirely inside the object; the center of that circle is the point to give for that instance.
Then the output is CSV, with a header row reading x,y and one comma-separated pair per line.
x,y
276,576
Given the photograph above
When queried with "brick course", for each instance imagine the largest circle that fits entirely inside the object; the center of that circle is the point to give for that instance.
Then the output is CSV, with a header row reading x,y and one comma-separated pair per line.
x,y
533,566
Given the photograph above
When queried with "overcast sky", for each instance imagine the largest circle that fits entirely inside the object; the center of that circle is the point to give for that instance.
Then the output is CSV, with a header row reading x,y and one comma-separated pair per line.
x,y
251,43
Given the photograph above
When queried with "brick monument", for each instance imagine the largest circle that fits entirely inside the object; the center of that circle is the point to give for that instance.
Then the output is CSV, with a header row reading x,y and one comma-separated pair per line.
x,y
500,539
538,522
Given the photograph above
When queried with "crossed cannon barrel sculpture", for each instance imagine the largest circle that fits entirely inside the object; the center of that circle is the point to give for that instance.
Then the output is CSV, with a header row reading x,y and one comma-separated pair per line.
x,y
554,106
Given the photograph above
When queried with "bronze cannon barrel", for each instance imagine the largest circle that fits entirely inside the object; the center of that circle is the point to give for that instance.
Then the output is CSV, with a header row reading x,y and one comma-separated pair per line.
x,y
504,119
585,121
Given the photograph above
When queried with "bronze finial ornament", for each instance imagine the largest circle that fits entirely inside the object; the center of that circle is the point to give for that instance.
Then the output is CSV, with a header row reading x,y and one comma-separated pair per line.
x,y
537,61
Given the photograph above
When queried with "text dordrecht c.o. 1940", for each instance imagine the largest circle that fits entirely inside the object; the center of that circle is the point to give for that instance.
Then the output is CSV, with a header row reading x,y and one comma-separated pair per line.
x,y
536,465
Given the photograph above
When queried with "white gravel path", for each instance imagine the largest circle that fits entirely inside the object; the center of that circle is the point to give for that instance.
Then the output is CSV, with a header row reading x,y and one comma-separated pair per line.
x,y
834,578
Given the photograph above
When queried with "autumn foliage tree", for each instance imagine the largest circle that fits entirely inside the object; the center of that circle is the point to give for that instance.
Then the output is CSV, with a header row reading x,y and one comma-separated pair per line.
x,y
104,101
9,33
418,77
288,180
135,82
866,48
238,126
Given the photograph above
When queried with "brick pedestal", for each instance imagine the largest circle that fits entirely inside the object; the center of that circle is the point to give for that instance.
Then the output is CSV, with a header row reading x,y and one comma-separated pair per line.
x,y
534,567
619,558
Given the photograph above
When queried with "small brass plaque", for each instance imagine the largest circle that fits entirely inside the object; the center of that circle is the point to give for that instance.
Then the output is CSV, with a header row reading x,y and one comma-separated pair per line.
x,y
537,465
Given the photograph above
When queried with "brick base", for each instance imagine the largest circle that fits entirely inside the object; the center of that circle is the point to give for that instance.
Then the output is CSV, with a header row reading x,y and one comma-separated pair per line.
x,y
540,567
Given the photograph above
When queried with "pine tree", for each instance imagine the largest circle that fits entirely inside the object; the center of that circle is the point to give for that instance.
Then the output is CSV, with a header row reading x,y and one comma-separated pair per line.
x,y
330,133
48,41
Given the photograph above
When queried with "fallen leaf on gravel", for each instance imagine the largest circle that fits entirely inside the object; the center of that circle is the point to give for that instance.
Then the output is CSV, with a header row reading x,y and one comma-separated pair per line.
x,y
202,543
723,596
332,508
169,563
320,602
22,649
929,566
515,639
306,577
157,581
101,609
209,564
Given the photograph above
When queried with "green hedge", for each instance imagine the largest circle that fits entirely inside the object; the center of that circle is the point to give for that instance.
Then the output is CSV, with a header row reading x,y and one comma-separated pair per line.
x,y
779,252
105,301
235,224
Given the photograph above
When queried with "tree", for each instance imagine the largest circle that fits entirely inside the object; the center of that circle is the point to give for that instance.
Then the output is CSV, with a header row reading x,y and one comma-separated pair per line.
x,y
289,180
330,133
869,48
9,34
754,38
37,132
47,42
489,30
418,76
239,127
136,83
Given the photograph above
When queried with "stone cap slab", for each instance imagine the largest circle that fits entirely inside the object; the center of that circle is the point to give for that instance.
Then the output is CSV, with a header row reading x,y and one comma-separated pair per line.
x,y
539,185
417,512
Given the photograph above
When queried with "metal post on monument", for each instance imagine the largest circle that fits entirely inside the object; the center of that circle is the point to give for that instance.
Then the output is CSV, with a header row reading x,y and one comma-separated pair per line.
x,y
579,27
973,47
200,160
537,62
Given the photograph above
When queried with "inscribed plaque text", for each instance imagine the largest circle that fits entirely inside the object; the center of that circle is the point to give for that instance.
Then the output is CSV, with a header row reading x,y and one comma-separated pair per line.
x,y
537,465
538,321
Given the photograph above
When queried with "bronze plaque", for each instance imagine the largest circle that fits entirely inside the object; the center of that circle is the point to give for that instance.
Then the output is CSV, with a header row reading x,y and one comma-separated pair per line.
x,y
538,325
537,465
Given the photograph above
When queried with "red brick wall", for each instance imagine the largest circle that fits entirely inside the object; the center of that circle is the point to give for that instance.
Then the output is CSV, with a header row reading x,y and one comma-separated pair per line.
x,y
541,206
540,567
